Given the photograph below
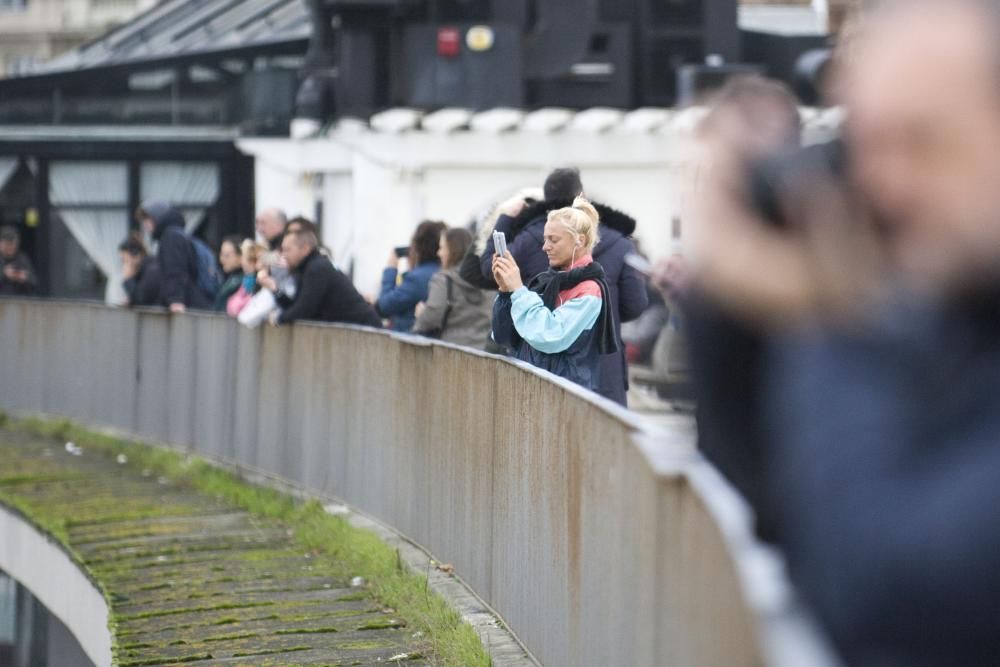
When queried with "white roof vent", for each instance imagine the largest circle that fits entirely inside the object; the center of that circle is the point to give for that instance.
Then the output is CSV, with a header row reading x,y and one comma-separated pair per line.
x,y
446,121
550,119
496,121
396,121
597,120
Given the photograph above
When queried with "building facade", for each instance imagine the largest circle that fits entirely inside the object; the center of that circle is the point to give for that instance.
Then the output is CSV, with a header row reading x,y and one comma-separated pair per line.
x,y
33,31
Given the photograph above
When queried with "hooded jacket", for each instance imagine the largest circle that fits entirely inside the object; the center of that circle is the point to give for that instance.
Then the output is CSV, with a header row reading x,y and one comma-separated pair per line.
x,y
463,317
177,258
627,288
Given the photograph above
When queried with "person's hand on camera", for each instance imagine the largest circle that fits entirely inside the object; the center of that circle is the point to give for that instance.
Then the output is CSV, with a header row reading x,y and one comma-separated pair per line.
x,y
507,273
393,261
178,308
272,318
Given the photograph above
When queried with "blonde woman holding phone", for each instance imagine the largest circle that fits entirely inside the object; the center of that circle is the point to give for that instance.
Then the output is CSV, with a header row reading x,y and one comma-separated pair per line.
x,y
560,321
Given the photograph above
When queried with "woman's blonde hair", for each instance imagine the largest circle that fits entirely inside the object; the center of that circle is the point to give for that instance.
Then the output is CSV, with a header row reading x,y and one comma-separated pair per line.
x,y
582,219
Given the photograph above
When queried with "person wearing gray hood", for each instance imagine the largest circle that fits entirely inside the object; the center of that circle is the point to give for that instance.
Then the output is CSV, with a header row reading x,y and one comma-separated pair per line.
x,y
176,256
455,311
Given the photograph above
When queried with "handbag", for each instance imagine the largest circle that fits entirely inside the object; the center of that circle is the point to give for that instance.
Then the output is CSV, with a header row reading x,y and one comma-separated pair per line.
x,y
436,333
256,311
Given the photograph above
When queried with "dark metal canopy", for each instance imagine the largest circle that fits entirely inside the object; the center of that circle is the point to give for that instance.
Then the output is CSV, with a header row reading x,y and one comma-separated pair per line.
x,y
186,32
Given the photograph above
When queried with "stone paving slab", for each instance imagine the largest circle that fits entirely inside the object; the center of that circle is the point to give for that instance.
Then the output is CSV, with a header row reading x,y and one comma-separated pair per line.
x,y
192,580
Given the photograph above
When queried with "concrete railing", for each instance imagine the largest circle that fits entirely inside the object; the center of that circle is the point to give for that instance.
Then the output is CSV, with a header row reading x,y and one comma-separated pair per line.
x,y
594,540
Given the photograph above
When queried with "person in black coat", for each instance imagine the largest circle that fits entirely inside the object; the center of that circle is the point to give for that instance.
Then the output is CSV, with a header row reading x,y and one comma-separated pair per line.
x,y
176,256
524,227
17,275
322,293
141,273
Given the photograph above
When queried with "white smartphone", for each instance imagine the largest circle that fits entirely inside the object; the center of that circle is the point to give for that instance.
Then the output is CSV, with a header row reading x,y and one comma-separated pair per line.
x,y
500,243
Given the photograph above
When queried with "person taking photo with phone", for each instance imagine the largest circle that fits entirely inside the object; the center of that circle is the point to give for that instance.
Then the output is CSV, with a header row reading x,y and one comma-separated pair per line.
x,y
560,321
398,299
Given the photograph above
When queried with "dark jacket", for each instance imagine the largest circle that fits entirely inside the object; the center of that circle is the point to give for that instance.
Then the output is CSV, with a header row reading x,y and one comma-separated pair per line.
x,y
324,294
177,258
274,245
629,298
575,359
143,289
21,263
879,448
230,286
398,303
471,272
726,358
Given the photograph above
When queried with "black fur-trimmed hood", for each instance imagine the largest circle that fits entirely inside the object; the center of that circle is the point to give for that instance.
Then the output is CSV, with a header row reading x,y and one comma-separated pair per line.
x,y
610,217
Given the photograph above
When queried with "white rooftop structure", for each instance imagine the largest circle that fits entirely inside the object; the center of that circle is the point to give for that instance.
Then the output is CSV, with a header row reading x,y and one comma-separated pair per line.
x,y
377,179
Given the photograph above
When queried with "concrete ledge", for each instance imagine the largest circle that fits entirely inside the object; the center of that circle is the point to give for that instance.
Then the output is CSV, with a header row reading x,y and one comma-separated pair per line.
x,y
42,566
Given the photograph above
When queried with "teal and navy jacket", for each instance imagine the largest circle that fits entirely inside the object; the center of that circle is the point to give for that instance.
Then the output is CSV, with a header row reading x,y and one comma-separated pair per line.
x,y
563,340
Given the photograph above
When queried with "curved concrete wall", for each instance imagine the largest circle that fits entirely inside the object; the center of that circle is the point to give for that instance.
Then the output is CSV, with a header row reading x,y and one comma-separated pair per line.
x,y
41,566
599,544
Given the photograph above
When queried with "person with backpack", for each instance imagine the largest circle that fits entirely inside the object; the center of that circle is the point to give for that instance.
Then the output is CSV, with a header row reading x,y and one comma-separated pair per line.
x,y
188,270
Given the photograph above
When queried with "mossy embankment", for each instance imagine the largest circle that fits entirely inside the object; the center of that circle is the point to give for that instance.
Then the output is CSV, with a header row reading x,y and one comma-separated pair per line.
x,y
199,566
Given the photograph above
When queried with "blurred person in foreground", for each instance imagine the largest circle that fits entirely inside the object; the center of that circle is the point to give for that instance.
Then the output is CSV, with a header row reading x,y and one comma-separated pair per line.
x,y
877,309
17,275
398,303
561,321
455,311
231,261
523,222
322,293
141,274
724,349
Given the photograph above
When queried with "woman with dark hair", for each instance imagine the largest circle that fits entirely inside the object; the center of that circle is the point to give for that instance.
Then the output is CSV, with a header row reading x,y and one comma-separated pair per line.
x,y
456,311
231,261
397,303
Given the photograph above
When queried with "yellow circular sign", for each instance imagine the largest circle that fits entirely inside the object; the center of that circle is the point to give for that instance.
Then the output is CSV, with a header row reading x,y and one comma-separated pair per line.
x,y
480,38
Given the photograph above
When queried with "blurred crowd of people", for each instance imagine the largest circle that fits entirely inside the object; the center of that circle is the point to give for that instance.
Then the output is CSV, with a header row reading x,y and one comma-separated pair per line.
x,y
557,299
